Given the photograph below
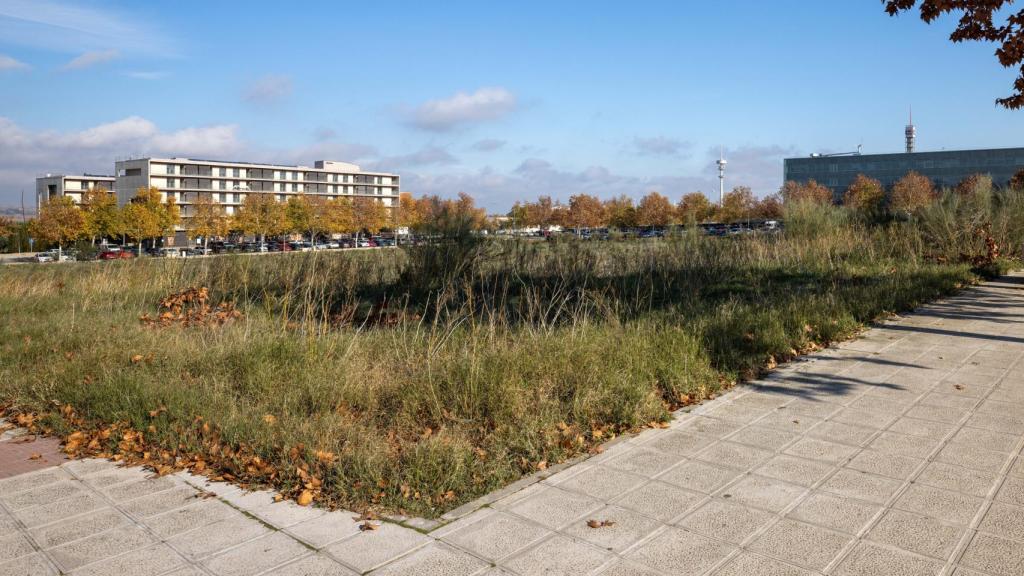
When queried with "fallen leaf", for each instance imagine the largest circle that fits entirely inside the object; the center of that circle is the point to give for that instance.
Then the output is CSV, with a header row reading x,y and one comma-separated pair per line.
x,y
269,419
35,456
600,523
305,498
368,526
542,465
958,386
136,358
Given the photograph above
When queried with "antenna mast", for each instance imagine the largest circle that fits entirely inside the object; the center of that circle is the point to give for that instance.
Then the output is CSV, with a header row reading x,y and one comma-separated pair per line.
x,y
910,133
721,177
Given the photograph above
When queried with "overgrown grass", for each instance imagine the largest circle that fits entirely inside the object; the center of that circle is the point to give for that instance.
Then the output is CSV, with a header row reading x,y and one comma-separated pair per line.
x,y
433,376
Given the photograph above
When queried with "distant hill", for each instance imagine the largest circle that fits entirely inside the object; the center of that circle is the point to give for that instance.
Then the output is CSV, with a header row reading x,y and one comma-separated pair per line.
x,y
15,211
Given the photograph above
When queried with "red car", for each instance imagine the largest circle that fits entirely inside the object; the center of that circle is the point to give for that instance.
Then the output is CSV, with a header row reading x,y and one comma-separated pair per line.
x,y
116,255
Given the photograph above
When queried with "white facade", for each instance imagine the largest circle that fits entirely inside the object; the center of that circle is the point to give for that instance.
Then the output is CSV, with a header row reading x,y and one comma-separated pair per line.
x,y
228,183
53,186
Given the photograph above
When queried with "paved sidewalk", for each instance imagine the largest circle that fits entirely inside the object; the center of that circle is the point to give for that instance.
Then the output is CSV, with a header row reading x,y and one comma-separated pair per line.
x,y
898,453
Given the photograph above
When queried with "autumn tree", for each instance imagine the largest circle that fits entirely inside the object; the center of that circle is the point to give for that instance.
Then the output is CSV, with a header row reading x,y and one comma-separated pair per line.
x,y
655,210
978,21
974,184
369,215
307,214
517,215
339,216
261,215
207,220
59,221
1017,181
155,216
408,212
769,207
696,208
865,195
738,205
810,191
621,212
139,223
101,216
911,193
6,226
466,208
586,211
540,213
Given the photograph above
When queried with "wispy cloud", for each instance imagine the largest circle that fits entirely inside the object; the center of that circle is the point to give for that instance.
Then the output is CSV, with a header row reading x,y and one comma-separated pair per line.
x,y
269,89
488,145
89,59
70,27
659,146
462,108
8,63
143,75
430,155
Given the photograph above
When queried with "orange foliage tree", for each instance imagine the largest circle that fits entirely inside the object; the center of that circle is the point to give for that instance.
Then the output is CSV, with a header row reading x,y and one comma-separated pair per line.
x,y
655,210
911,193
864,194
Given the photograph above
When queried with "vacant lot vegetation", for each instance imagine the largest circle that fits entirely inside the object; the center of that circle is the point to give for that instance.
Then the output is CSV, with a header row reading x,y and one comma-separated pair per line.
x,y
416,380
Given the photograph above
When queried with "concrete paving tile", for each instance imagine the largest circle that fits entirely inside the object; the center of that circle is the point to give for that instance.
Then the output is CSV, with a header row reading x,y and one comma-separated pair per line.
x,y
1012,491
815,408
323,530
187,571
315,565
144,487
678,551
699,476
926,428
251,499
30,480
65,531
256,556
8,524
705,426
1004,520
863,418
644,461
869,559
286,513
100,546
113,475
870,403
821,450
835,512
554,508
795,470
764,493
32,565
747,564
904,444
659,500
762,399
15,546
883,464
861,485
722,520
626,529
972,457
732,455
994,555
738,413
625,568
149,561
802,544
946,399
497,536
160,502
952,507
937,413
42,495
789,421
372,548
86,466
558,556
680,442
181,520
842,433
212,538
1018,467
763,437
916,533
48,512
602,483
1001,421
956,478
433,560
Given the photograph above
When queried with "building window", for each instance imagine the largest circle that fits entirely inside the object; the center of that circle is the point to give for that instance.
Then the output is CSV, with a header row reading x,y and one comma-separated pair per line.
x,y
235,199
170,168
223,171
280,197
170,182
223,197
222,184
234,172
295,187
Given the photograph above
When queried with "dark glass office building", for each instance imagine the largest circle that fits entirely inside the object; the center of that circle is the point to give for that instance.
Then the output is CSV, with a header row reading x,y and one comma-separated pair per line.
x,y
945,169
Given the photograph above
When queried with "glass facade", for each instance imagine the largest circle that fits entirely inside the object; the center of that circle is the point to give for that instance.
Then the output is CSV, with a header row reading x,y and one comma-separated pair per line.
x,y
945,169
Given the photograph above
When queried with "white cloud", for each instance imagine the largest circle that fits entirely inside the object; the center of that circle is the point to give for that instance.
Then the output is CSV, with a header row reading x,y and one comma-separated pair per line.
x,y
269,89
659,146
89,59
65,26
462,108
25,154
427,156
143,75
8,63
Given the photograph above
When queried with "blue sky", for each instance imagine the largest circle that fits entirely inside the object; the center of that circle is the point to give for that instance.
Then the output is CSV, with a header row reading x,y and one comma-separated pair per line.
x,y
502,101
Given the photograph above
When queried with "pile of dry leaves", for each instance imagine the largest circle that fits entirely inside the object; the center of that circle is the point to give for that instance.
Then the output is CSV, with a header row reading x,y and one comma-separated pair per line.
x,y
191,307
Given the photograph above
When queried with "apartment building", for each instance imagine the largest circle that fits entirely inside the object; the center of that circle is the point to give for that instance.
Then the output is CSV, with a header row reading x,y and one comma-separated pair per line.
x,y
54,186
228,183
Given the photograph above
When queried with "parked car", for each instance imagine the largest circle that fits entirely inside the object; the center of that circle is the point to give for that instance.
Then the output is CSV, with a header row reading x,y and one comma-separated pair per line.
x,y
116,255
44,257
